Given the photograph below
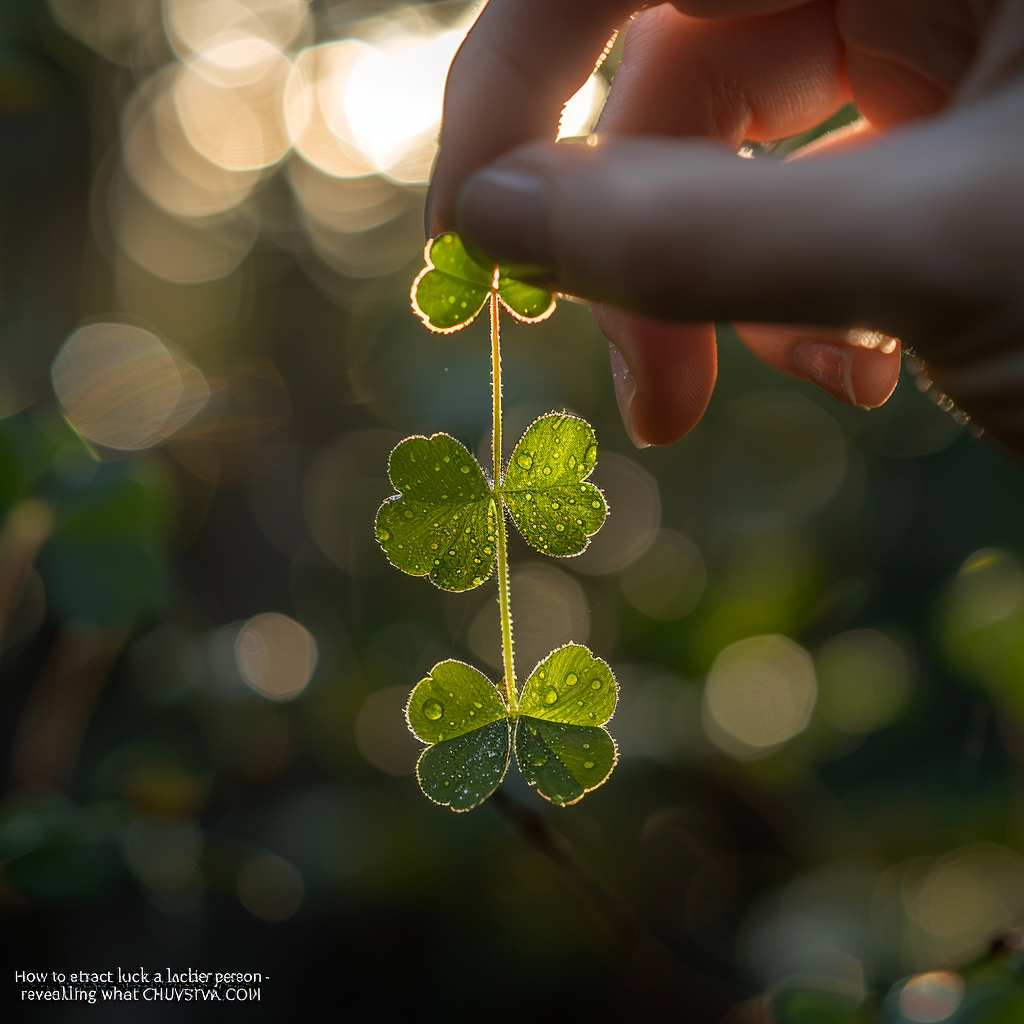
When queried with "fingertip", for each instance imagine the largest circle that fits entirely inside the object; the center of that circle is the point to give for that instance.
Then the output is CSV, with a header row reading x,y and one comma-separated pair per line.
x,y
664,373
874,375
860,368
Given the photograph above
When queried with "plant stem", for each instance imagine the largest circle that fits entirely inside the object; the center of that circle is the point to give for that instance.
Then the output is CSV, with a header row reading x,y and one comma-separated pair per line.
x,y
511,690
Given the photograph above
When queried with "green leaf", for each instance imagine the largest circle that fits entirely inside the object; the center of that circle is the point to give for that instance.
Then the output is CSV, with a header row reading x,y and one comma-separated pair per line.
x,y
563,762
555,510
560,745
453,700
443,521
525,302
570,686
462,773
452,288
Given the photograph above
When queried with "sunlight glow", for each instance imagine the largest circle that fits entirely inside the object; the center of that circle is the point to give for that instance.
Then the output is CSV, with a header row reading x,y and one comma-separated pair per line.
x,y
760,692
276,655
580,113
122,387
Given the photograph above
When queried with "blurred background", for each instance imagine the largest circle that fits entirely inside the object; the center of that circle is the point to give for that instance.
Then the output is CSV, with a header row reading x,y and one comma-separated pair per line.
x,y
210,216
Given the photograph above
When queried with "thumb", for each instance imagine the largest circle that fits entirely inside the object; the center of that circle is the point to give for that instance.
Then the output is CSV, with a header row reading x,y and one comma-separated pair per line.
x,y
683,230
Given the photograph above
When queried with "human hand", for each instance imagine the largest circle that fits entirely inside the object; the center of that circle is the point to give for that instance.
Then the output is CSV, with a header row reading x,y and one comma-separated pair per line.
x,y
916,233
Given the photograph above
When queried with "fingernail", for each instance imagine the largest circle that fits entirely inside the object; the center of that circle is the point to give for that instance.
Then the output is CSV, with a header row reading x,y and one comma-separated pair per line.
x,y
625,392
505,211
829,366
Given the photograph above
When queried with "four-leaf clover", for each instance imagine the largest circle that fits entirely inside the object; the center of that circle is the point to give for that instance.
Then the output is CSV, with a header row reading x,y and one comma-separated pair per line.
x,y
558,734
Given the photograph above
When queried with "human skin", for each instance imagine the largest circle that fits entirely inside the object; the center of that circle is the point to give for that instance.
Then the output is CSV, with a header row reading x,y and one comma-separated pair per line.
x,y
912,226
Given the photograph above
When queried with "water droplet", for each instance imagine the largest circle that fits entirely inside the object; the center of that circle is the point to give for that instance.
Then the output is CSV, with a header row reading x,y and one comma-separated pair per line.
x,y
477,705
407,513
463,469
551,696
595,504
433,709
447,458
526,461
571,678
546,471
539,760
571,462
588,764
433,546
555,505
586,746
471,711
557,798
384,535
579,703
560,527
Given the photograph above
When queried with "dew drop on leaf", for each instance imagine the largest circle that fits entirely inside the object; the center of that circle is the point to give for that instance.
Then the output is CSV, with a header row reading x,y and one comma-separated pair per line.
x,y
525,461
571,678
433,709
551,696
588,764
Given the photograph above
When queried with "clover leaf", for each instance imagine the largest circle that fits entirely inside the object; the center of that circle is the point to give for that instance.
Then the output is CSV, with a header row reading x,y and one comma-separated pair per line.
x,y
555,510
561,746
454,285
457,710
447,521
442,523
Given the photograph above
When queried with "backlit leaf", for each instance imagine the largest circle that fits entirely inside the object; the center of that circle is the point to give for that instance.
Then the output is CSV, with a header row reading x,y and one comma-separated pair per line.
x,y
544,487
454,699
463,772
442,523
452,288
525,302
570,686
562,761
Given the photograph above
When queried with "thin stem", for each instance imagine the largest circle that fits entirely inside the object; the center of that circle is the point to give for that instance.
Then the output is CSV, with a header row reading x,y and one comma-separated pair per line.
x,y
511,690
